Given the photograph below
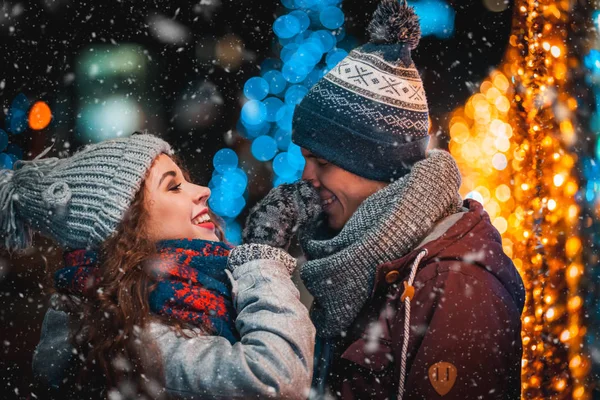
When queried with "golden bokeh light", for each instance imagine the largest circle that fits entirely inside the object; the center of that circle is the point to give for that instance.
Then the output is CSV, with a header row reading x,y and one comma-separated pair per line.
x,y
516,156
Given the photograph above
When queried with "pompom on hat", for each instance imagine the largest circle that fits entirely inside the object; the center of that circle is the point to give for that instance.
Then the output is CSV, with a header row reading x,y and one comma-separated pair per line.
x,y
395,23
369,114
77,201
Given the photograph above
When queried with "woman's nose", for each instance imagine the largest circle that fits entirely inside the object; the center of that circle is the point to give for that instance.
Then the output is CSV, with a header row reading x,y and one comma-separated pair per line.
x,y
202,193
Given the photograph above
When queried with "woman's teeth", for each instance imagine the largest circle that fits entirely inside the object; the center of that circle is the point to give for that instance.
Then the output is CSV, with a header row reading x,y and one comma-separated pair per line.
x,y
201,219
328,201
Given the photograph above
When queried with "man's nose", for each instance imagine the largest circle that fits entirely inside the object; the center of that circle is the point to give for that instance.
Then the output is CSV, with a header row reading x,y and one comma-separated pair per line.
x,y
312,179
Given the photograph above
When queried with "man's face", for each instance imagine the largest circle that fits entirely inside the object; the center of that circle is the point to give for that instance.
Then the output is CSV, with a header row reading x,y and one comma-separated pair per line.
x,y
341,192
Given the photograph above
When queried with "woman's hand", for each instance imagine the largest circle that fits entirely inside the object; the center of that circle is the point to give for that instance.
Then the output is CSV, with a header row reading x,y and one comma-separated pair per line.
x,y
277,217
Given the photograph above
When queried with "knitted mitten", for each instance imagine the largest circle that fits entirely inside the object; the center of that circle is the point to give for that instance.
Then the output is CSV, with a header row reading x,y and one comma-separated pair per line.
x,y
250,252
276,218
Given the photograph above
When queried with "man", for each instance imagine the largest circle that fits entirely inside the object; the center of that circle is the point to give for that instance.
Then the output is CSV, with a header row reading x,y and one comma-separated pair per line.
x,y
414,296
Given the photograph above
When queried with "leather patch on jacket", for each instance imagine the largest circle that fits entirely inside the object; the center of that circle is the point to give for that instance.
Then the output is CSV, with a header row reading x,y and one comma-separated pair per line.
x,y
442,376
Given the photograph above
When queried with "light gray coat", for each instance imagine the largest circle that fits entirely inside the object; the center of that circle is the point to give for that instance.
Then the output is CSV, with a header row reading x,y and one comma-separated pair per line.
x,y
273,359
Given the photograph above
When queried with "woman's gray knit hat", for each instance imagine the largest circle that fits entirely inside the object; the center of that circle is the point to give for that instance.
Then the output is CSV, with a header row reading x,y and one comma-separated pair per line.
x,y
77,201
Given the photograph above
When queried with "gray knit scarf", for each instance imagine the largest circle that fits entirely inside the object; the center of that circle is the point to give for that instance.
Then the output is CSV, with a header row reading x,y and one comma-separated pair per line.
x,y
341,270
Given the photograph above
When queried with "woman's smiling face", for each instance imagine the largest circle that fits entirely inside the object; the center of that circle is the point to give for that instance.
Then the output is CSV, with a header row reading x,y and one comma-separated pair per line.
x,y
176,208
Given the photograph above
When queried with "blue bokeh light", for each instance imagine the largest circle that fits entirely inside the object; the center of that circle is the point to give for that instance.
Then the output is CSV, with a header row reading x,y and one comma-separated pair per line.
x,y
294,72
264,148
308,35
286,179
294,94
436,17
305,3
6,162
288,51
326,38
286,26
16,120
302,18
284,117
225,204
273,104
288,4
295,157
233,182
592,61
282,166
254,113
309,53
233,231
335,56
256,88
313,77
331,17
276,81
225,160
283,138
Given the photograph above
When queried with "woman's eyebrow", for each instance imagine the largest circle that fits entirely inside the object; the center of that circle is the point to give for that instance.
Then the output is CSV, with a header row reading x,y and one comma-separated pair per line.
x,y
168,173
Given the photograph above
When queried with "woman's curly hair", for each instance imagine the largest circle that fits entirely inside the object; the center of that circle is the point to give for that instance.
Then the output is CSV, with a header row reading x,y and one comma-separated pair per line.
x,y
110,338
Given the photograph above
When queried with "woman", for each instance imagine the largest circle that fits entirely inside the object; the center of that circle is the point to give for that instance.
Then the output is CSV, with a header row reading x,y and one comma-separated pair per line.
x,y
153,303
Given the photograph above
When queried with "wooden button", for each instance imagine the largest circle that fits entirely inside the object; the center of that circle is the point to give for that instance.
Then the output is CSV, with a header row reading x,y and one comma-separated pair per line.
x,y
392,276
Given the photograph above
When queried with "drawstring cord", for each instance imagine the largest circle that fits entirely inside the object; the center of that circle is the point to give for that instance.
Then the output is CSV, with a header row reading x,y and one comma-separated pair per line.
x,y
407,296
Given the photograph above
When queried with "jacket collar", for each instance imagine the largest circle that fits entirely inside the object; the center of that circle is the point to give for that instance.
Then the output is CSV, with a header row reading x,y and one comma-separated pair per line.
x,y
446,232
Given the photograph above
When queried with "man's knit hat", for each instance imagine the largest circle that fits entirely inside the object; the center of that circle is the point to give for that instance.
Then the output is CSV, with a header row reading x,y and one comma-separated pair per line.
x,y
369,115
77,201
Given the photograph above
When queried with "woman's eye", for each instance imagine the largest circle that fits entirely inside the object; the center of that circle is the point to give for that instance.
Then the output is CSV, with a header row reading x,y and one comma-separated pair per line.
x,y
176,188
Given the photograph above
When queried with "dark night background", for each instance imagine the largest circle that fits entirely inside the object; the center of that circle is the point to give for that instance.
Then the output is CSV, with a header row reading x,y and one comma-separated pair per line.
x,y
41,43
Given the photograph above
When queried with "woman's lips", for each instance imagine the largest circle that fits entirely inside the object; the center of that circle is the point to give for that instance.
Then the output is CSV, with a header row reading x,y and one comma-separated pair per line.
x,y
206,225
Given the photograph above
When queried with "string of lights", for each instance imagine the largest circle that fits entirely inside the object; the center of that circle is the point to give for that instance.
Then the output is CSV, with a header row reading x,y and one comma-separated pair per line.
x,y
587,87
513,142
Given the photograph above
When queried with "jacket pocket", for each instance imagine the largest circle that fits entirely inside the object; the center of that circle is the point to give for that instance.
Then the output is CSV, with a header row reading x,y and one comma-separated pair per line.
x,y
374,354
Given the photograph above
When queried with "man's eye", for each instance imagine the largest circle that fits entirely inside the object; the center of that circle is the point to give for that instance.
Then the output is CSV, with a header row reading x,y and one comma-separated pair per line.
x,y
175,188
322,162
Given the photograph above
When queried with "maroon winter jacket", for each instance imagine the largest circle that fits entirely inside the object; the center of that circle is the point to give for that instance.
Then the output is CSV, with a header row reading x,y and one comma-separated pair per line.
x,y
466,311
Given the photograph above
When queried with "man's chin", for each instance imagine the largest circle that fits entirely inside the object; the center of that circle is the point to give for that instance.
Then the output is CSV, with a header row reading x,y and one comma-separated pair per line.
x,y
334,223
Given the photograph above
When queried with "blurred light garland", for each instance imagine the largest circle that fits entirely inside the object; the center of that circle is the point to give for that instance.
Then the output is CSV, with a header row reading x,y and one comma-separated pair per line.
x,y
308,34
590,103
512,142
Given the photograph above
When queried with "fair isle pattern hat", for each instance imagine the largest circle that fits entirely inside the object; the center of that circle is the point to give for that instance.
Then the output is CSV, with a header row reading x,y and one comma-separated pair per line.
x,y
369,114
77,201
